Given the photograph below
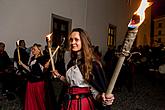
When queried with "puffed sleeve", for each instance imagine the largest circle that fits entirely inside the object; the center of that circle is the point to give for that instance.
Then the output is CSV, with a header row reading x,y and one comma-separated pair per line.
x,y
98,79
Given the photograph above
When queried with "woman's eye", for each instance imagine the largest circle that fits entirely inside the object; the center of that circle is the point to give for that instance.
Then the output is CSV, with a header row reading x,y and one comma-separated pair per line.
x,y
71,40
76,39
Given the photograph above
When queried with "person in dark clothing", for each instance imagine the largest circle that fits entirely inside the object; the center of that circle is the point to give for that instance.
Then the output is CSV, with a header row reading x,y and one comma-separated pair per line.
x,y
109,60
5,69
5,61
84,79
21,71
24,56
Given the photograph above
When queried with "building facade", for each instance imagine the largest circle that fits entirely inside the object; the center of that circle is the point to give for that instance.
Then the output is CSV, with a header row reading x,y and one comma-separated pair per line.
x,y
159,31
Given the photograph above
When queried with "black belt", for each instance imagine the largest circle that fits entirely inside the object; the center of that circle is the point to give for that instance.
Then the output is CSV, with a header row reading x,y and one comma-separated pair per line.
x,y
76,96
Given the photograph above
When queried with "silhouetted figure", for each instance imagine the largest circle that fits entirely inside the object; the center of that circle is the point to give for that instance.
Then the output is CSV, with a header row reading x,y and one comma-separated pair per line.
x,y
109,60
5,67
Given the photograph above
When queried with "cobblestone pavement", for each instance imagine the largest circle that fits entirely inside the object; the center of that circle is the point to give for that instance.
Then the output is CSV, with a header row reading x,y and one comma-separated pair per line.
x,y
10,101
147,94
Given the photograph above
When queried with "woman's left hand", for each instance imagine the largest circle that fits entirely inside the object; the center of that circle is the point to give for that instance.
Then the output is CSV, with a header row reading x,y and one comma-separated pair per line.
x,y
107,100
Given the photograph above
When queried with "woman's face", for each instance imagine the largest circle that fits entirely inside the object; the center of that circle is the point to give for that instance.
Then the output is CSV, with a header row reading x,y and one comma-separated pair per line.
x,y
35,51
75,41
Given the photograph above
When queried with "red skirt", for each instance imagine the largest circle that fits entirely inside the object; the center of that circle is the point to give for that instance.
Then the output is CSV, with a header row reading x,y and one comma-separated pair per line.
x,y
78,99
35,96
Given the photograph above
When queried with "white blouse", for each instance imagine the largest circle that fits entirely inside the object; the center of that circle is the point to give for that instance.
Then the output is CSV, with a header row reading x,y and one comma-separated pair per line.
x,y
75,78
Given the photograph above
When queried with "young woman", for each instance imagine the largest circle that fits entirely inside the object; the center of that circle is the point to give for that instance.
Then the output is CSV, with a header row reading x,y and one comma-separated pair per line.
x,y
35,89
84,77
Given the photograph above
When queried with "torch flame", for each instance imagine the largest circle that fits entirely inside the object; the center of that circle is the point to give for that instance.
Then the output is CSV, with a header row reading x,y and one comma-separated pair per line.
x,y
140,14
17,42
48,36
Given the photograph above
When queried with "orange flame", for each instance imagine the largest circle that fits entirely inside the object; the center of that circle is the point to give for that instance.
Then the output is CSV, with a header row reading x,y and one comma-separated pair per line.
x,y
17,42
139,15
48,36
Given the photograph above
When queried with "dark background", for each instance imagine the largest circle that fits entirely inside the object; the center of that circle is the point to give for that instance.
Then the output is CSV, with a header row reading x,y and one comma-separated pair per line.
x,y
158,8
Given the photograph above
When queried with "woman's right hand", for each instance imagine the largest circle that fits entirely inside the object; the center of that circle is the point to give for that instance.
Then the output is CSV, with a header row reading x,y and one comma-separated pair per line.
x,y
56,74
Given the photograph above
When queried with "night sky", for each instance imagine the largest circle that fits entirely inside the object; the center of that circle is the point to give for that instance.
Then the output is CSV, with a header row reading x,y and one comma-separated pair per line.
x,y
158,8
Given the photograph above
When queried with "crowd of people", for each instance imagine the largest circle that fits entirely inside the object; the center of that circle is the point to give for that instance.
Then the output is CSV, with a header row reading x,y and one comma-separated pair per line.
x,y
83,79
146,60
81,75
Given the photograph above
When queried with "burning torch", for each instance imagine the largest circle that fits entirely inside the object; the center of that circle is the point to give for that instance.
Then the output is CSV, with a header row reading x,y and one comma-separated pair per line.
x,y
55,51
50,50
137,19
18,52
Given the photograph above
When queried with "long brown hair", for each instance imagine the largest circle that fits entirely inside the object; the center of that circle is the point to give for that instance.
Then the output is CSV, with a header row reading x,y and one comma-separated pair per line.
x,y
86,52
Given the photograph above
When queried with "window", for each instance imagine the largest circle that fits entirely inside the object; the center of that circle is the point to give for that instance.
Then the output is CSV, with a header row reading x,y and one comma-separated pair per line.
x,y
111,40
160,25
159,33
